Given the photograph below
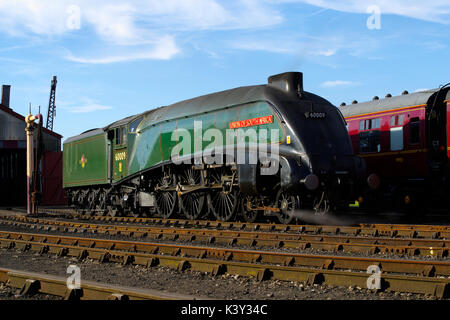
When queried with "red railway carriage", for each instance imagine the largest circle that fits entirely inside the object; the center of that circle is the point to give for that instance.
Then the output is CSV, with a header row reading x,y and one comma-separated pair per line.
x,y
405,142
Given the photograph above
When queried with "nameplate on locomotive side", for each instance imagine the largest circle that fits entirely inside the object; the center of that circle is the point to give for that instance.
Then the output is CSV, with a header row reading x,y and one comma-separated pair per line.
x,y
251,122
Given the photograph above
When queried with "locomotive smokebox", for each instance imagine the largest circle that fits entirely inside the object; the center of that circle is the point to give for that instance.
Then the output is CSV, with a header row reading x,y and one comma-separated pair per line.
x,y
288,81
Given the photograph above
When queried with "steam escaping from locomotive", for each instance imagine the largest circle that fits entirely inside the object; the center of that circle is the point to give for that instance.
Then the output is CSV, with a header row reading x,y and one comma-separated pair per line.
x,y
311,217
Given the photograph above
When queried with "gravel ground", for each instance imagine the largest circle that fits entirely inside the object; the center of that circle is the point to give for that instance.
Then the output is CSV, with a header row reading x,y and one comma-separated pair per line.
x,y
7,293
198,284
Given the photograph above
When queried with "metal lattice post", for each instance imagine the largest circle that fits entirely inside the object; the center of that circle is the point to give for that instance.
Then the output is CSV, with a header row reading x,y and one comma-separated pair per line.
x,y
51,105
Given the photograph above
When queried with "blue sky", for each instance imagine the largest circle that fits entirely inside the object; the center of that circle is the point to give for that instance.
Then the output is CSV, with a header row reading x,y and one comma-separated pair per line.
x,y
117,59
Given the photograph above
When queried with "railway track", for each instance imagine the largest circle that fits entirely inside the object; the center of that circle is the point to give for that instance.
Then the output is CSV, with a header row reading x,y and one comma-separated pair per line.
x,y
263,251
381,230
30,283
425,277
336,243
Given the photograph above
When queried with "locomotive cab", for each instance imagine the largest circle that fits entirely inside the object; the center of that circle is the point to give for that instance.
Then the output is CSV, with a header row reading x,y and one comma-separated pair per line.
x,y
117,150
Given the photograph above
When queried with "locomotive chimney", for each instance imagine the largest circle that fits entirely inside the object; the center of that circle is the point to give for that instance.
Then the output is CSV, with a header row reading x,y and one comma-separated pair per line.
x,y
288,81
6,91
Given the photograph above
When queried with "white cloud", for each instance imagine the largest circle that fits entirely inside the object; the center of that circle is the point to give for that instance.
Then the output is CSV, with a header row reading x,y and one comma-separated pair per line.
x,y
86,105
433,10
146,25
37,17
305,45
133,20
336,83
139,29
286,45
89,108
275,46
327,53
163,49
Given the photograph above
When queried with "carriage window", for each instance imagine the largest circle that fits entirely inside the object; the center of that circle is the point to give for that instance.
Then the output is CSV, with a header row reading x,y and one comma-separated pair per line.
x,y
397,120
370,124
369,141
377,123
397,139
414,131
135,124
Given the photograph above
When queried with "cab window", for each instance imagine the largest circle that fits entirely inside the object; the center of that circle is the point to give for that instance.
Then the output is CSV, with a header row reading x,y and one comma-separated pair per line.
x,y
121,136
124,135
118,137
134,125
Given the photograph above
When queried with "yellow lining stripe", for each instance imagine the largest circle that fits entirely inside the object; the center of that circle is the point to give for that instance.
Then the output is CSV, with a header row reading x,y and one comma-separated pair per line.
x,y
88,180
393,153
391,111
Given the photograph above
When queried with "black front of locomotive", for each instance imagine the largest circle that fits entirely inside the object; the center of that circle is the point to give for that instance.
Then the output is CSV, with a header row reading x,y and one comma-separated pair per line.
x,y
317,160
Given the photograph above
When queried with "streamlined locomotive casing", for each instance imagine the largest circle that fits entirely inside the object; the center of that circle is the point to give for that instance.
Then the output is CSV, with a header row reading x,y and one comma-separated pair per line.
x,y
303,134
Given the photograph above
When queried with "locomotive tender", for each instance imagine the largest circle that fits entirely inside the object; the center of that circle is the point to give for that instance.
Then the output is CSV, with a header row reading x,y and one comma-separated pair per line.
x,y
405,142
267,149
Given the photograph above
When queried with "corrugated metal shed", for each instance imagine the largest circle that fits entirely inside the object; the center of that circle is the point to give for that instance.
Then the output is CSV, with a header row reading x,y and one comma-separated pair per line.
x,y
12,132
13,161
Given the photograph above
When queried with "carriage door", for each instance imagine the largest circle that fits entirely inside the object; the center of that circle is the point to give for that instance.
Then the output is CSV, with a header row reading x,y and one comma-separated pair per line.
x,y
448,132
120,153
437,117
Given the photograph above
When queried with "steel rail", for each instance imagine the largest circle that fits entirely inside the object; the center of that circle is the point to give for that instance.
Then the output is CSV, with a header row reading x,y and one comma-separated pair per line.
x,y
412,231
398,231
30,283
412,247
241,262
381,226
132,248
